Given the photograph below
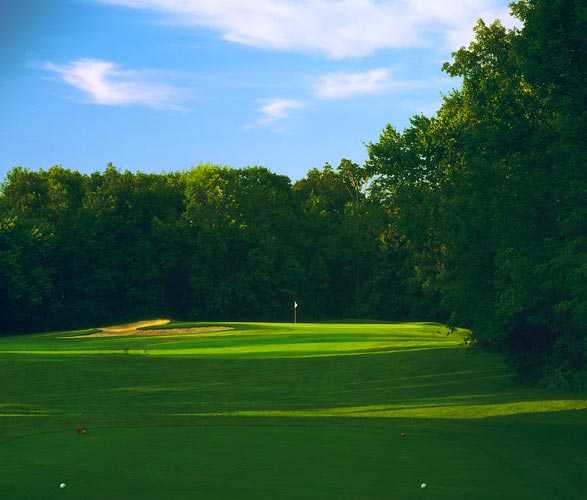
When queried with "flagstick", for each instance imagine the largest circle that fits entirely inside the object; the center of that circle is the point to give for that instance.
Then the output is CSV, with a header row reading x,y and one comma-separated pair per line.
x,y
295,314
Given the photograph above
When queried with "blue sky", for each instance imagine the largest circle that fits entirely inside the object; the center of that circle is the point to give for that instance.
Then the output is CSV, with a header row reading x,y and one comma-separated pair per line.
x,y
162,85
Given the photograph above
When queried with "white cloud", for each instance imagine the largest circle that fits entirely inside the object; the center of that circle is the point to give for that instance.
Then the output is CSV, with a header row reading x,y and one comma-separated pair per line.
x,y
347,85
277,109
337,28
461,35
103,82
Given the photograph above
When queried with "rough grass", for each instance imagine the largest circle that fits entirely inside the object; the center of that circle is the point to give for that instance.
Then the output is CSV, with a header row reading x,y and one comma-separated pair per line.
x,y
281,411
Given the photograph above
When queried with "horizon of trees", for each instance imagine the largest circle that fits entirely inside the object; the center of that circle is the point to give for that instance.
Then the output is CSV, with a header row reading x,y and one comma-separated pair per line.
x,y
476,216
212,243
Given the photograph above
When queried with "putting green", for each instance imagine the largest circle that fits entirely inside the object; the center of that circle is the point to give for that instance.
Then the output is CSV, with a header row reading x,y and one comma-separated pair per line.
x,y
280,410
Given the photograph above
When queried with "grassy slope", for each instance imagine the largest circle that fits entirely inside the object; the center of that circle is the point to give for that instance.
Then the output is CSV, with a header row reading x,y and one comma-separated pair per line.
x,y
278,410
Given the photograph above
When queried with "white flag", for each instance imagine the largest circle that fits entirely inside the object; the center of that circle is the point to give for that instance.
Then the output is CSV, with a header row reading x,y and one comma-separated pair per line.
x,y
295,305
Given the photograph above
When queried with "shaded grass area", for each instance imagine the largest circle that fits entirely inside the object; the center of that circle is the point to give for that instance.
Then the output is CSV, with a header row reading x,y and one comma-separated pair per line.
x,y
270,421
300,459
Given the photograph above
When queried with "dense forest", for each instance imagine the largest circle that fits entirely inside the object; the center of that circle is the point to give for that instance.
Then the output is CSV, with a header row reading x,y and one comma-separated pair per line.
x,y
476,216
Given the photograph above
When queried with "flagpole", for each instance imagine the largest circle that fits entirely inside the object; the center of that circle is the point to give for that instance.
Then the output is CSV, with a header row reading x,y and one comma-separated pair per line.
x,y
295,306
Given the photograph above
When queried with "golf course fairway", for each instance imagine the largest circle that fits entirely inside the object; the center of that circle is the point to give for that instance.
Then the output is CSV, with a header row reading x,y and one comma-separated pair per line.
x,y
280,411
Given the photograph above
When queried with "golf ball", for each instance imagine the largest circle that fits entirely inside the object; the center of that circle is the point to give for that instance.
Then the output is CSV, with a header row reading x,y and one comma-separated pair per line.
x,y
62,485
423,485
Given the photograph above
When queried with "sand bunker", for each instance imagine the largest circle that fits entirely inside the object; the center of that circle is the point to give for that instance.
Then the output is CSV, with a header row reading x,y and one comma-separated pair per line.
x,y
131,327
134,329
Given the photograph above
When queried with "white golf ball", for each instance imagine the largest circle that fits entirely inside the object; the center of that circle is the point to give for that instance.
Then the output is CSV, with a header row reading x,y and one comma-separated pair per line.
x,y
423,485
62,485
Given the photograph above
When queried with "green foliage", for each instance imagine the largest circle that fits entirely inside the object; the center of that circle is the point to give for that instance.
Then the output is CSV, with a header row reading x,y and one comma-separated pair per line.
x,y
491,192
211,243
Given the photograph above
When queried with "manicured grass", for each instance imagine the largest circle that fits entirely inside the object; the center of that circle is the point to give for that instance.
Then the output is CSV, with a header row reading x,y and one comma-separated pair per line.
x,y
281,411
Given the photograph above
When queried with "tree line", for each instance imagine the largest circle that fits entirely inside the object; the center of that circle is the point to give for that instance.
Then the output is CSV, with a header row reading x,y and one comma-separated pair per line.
x,y
476,216
212,243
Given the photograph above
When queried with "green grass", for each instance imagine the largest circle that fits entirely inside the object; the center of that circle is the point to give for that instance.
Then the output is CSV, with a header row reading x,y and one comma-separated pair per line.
x,y
281,411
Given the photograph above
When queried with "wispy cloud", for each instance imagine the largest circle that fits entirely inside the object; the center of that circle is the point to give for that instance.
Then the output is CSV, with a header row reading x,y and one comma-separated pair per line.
x,y
336,28
347,85
105,83
273,110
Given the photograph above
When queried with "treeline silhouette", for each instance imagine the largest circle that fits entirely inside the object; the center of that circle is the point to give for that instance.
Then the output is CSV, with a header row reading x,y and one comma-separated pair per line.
x,y
476,216
210,243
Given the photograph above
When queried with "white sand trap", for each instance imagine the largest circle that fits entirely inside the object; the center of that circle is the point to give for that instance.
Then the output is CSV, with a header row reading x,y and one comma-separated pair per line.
x,y
133,329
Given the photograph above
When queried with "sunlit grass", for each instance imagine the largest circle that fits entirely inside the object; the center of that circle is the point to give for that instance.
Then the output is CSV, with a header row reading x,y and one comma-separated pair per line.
x,y
460,411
